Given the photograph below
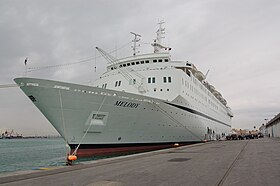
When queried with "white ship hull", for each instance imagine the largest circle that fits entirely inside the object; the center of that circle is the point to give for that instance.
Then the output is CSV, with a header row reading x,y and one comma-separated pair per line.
x,y
141,102
109,119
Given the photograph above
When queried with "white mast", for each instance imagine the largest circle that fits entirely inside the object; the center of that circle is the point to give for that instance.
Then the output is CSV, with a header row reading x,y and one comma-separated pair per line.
x,y
157,42
135,45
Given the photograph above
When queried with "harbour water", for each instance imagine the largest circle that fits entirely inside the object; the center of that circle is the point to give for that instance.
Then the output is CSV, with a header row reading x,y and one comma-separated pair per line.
x,y
29,154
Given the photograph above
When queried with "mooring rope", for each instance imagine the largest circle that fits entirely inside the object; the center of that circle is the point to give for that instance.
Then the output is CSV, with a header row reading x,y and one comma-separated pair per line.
x,y
8,85
76,149
31,69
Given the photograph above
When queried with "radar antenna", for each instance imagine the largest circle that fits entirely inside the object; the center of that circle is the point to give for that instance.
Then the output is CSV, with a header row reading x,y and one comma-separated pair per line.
x,y
135,41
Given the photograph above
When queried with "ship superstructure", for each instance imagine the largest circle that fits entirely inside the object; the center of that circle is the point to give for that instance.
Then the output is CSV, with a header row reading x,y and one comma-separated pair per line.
x,y
141,102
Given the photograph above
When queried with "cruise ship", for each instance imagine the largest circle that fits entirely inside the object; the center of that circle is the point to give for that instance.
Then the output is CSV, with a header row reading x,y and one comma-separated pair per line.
x,y
142,102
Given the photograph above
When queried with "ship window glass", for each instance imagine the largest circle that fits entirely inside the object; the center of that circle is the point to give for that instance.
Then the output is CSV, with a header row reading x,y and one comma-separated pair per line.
x,y
164,80
137,62
165,60
120,66
154,80
147,61
112,68
142,62
168,89
155,89
154,60
124,65
133,63
169,79
128,64
160,60
149,80
117,84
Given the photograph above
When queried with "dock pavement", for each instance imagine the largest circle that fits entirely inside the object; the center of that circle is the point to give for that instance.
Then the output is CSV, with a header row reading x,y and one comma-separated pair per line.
x,y
242,162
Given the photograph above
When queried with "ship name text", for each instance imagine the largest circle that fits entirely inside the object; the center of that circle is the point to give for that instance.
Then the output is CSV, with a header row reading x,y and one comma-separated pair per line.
x,y
127,104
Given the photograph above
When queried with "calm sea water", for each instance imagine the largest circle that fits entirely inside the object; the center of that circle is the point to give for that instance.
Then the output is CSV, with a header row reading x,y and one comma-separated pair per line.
x,y
28,154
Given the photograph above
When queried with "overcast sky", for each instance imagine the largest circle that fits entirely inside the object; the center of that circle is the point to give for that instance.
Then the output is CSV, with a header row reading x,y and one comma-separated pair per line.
x,y
238,40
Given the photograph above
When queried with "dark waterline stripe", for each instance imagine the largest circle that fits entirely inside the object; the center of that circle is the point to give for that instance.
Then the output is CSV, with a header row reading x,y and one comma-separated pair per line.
x,y
97,146
196,112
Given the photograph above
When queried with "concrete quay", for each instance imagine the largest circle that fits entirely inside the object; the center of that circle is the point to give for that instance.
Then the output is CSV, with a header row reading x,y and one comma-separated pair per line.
x,y
244,162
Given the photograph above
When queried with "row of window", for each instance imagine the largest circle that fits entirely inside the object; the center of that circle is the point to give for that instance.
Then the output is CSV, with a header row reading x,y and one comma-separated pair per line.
x,y
104,85
118,83
151,80
165,79
133,81
199,93
215,102
140,62
204,89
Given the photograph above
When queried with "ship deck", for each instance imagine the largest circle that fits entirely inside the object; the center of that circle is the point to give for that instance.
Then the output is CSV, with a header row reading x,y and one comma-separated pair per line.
x,y
245,162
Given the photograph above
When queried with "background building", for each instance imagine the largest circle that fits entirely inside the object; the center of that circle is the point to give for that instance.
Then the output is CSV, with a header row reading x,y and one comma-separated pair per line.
x,y
273,127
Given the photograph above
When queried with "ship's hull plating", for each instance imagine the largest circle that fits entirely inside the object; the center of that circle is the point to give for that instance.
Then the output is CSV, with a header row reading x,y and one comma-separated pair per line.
x,y
106,121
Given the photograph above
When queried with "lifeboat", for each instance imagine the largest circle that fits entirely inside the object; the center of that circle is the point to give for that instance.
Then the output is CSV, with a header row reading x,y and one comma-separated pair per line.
x,y
224,101
193,69
229,112
199,75
206,84
211,88
217,94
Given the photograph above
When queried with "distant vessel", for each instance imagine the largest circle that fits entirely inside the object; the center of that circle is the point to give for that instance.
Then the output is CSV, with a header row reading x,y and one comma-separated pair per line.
x,y
10,135
141,102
